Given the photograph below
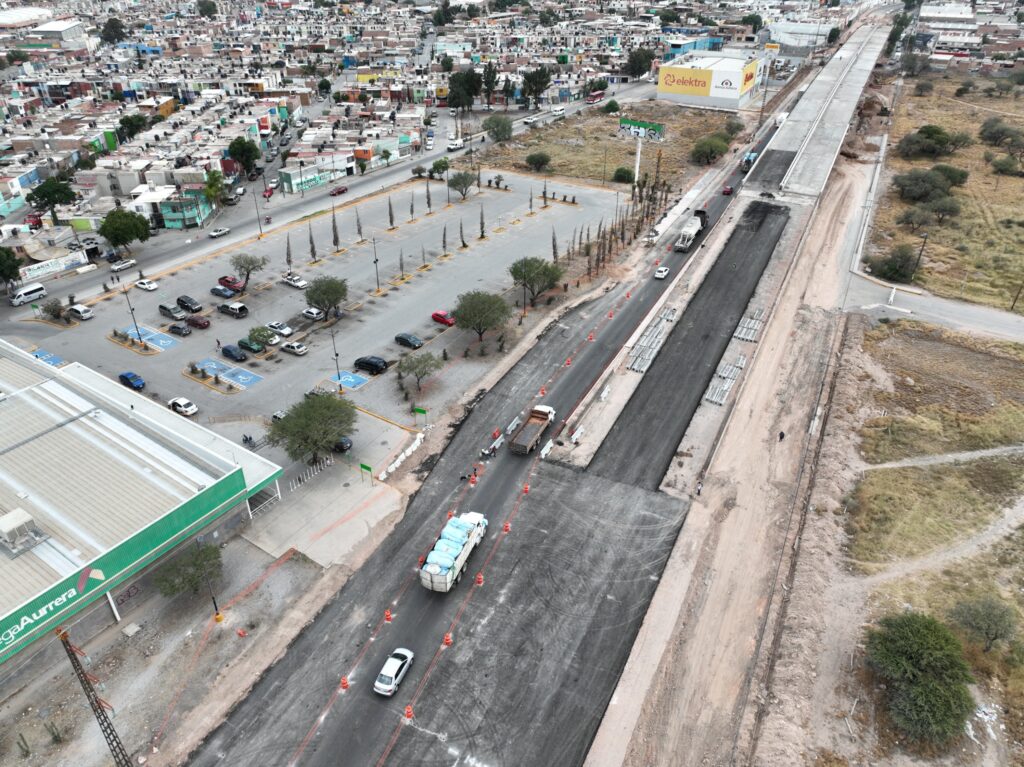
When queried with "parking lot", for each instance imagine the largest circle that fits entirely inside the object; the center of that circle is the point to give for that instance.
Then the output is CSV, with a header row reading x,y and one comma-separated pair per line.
x,y
415,282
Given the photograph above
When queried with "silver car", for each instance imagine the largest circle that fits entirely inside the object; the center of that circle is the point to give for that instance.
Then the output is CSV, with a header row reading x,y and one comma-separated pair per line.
x,y
394,671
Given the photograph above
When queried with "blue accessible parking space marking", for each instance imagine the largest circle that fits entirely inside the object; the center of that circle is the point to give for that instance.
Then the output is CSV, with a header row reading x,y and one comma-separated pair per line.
x,y
154,338
48,357
349,380
238,376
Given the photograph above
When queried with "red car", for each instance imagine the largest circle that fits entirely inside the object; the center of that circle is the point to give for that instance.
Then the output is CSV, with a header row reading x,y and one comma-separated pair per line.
x,y
338,190
726,190
197,321
232,283
445,318
268,193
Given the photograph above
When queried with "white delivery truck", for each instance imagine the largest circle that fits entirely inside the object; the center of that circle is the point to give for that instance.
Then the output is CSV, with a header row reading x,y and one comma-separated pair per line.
x,y
693,226
447,561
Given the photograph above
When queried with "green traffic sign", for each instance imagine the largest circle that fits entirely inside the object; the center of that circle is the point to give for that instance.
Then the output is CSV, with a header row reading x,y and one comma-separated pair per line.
x,y
420,410
364,467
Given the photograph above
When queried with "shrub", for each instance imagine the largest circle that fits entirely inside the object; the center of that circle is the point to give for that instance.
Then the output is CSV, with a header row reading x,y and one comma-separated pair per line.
x,y
944,208
924,88
538,161
898,266
1006,165
611,107
987,620
955,176
922,185
915,217
708,149
623,176
733,126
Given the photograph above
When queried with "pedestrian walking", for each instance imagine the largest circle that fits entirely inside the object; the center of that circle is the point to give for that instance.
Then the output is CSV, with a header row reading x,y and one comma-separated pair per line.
x,y
218,346
700,486
782,436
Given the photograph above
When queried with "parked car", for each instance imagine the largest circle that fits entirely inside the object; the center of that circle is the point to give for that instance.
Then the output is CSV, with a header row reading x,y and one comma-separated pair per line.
x,y
236,309
661,272
268,193
179,330
81,312
372,365
312,313
343,445
197,321
408,340
189,304
295,347
338,191
122,264
279,415
149,285
222,292
280,328
182,406
132,380
251,346
295,281
220,231
230,281
444,318
394,671
234,353
273,183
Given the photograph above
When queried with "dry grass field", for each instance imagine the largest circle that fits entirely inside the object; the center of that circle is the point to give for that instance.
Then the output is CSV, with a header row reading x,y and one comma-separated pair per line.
x,y
978,256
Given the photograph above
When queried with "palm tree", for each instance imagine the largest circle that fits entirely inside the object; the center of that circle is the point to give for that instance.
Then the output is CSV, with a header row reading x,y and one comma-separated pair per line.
x,y
214,187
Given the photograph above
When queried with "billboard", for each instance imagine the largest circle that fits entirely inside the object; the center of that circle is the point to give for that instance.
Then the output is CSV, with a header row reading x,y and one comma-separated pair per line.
x,y
749,76
725,85
684,81
640,129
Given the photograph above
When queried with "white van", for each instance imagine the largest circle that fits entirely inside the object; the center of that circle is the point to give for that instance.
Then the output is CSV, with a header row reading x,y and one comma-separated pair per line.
x,y
80,312
558,111
27,293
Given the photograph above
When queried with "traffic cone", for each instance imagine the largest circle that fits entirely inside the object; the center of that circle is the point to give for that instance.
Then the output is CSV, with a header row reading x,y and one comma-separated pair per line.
x,y
507,527
387,616
472,480
479,579
408,712
450,513
568,361
421,560
543,391
627,293
448,639
526,489
657,262
344,683
496,433
590,337
611,314
242,633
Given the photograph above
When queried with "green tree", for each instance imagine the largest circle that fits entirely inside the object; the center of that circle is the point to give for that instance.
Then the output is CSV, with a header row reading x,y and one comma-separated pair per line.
x,y
921,185
708,149
245,264
535,82
508,90
10,265
17,57
385,155
337,97
611,107
639,62
326,293
623,176
440,166
833,36
324,86
262,335
190,571
244,151
911,646
959,140
915,217
480,311
313,425
462,182
113,31
213,189
995,132
987,619
955,176
595,84
490,80
898,266
459,96
123,227
86,162
49,194
753,20
206,8
134,124
420,366
547,18
914,64
669,16
1005,166
538,161
944,208
418,171
924,88
53,309
498,127
447,65
536,274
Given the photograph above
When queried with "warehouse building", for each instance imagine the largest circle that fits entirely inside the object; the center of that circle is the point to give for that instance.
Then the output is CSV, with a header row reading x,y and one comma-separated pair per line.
x,y
96,484
720,80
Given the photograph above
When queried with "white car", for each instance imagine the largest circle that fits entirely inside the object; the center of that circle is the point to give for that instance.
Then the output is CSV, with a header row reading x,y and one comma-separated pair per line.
x,y
295,347
661,272
273,183
147,284
124,263
274,340
183,406
295,281
280,328
312,313
218,232
530,120
394,671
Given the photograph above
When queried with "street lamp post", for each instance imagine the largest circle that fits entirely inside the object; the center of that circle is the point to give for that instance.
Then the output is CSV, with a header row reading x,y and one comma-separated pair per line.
x,y
337,367
920,253
375,260
446,185
131,311
302,188
256,204
216,610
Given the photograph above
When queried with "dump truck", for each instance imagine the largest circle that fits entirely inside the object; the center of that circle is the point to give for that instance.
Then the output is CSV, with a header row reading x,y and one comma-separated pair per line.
x,y
528,435
447,560
693,226
748,161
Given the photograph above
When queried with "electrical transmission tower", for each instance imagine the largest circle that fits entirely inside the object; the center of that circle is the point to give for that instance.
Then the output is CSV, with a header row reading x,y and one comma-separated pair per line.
x,y
99,706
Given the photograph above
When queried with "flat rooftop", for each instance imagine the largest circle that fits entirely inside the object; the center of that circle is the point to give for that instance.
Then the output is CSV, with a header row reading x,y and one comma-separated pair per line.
x,y
92,464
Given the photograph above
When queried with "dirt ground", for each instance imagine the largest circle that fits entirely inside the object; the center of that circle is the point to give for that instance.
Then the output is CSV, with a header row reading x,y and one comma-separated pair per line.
x,y
975,256
588,145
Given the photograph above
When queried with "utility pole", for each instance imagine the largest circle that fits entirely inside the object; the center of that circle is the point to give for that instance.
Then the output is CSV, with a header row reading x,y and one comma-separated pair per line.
x,y
924,241
1014,304
256,204
98,705
131,311
375,261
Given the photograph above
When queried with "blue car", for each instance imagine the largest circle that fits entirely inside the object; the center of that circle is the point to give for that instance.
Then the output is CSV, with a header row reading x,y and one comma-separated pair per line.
x,y
132,381
223,292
